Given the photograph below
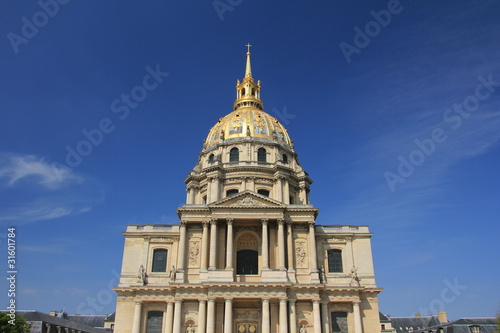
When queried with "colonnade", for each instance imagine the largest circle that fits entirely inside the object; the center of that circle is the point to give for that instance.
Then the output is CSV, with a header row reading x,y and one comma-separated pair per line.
x,y
209,245
281,190
287,317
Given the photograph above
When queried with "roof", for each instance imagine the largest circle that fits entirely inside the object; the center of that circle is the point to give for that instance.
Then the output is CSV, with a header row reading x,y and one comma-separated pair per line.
x,y
92,321
403,324
383,317
488,325
36,316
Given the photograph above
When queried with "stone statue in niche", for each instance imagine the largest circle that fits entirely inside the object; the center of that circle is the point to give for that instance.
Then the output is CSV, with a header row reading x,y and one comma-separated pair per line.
x,y
142,275
190,329
303,329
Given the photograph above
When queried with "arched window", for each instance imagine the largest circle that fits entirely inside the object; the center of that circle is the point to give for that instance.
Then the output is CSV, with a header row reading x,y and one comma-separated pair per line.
x,y
335,261
155,322
285,159
204,199
159,260
243,92
261,155
339,322
263,192
247,262
234,155
292,200
211,158
231,192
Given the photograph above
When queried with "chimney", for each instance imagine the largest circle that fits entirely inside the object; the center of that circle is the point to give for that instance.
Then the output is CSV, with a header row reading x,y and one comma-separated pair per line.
x,y
442,317
418,315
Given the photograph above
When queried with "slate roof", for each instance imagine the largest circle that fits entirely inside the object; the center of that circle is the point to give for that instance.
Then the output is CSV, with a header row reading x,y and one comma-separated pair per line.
x,y
403,324
92,321
36,316
488,325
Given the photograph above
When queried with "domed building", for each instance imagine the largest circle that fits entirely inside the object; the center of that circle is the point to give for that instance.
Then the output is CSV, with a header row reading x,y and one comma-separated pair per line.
x,y
247,255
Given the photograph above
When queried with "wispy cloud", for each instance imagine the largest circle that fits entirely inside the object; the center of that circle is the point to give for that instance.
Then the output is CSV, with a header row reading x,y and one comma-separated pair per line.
x,y
16,168
34,190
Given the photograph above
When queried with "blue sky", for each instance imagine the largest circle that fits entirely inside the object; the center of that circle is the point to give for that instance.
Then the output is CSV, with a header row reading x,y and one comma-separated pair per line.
x,y
399,130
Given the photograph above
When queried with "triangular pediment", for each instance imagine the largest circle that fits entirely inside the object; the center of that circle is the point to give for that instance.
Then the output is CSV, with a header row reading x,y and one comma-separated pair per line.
x,y
247,199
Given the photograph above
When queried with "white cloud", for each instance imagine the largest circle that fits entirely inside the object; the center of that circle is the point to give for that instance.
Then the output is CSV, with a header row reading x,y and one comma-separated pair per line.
x,y
35,189
30,168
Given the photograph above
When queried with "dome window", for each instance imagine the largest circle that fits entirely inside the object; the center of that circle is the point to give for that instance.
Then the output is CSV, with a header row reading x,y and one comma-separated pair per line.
x,y
263,192
211,158
230,193
261,155
285,159
234,155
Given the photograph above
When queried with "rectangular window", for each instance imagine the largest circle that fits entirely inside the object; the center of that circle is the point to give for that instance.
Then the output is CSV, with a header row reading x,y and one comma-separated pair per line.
x,y
339,322
155,321
159,260
335,261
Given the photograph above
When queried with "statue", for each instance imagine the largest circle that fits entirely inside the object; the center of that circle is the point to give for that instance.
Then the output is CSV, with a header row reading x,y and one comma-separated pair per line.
x,y
302,329
190,329
142,275
354,276
222,135
171,275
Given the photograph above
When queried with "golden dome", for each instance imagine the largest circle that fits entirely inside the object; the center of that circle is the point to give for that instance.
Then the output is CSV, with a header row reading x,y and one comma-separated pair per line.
x,y
248,119
248,122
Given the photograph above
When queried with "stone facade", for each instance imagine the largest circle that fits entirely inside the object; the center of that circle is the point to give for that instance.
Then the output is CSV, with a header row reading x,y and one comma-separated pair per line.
x,y
247,255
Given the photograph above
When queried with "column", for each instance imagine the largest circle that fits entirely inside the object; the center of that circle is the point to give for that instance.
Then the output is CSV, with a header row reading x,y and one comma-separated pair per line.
x,y
217,188
169,317
293,316
286,191
243,183
204,246
188,195
228,316
265,245
281,245
325,316
252,184
229,245
213,244
279,189
136,325
358,326
182,246
312,248
266,324
177,316
316,316
302,194
289,244
210,316
283,316
202,316
209,190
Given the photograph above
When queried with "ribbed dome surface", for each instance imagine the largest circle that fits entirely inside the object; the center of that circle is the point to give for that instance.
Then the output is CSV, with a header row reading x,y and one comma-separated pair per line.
x,y
248,122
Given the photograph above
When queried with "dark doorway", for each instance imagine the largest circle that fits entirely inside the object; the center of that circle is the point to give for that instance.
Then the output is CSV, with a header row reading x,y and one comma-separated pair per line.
x,y
247,262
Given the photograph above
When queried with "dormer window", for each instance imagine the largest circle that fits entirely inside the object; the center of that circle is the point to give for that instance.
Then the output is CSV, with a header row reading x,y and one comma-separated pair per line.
x,y
284,158
211,158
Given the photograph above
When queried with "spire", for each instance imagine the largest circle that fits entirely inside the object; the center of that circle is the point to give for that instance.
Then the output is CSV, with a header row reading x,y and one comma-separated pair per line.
x,y
248,70
248,92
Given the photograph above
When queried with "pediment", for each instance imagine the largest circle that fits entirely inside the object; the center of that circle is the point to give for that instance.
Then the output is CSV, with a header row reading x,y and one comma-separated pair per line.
x,y
247,199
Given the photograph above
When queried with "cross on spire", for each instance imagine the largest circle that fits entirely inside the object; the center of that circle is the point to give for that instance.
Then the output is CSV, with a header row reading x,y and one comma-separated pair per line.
x,y
248,45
